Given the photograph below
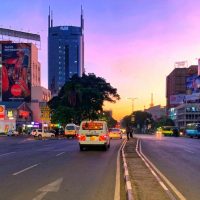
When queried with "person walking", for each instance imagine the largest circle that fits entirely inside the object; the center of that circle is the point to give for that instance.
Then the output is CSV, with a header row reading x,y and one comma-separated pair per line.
x,y
129,131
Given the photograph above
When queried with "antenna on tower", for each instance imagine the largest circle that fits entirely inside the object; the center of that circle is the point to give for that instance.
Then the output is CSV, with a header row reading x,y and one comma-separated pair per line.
x,y
52,18
49,18
151,104
82,19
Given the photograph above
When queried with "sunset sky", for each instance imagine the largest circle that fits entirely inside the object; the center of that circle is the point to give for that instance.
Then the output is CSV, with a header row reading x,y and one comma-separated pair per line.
x,y
133,44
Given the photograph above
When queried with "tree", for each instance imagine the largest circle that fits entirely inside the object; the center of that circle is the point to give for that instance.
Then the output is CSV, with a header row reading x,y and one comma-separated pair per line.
x,y
164,121
83,98
141,120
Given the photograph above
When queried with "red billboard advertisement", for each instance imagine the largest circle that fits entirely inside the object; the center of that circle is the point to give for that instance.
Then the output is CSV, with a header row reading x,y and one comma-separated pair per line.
x,y
2,112
16,72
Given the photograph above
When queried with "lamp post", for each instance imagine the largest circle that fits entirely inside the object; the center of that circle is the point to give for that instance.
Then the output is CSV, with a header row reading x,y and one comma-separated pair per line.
x,y
132,99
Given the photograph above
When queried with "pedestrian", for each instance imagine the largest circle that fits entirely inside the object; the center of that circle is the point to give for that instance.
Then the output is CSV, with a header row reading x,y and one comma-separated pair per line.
x,y
129,131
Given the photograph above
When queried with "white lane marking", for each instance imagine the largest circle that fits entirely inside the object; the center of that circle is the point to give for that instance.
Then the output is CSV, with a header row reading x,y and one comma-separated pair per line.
x,y
117,179
188,151
126,173
51,187
5,154
16,173
129,185
163,185
60,154
174,189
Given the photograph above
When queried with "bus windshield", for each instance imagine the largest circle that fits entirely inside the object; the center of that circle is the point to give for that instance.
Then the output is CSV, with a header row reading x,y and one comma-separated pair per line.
x,y
70,128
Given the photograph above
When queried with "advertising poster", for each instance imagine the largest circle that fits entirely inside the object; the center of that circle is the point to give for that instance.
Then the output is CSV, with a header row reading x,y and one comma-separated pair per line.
x,y
193,84
16,72
177,99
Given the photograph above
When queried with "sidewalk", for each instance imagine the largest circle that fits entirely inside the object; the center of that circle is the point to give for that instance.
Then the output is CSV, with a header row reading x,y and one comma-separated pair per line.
x,y
144,184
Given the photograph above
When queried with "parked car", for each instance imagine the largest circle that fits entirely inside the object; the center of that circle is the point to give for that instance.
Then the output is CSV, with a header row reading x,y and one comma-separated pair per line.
x,y
12,133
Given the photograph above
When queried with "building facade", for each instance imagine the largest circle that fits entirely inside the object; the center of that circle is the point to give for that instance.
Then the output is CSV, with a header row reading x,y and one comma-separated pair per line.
x,y
16,116
176,83
20,84
19,70
40,97
65,54
157,111
186,114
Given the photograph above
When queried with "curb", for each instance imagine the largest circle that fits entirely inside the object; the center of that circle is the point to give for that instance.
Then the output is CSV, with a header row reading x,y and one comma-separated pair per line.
x,y
129,192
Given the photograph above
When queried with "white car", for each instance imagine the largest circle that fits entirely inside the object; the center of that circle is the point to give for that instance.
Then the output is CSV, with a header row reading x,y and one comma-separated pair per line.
x,y
93,133
38,133
12,133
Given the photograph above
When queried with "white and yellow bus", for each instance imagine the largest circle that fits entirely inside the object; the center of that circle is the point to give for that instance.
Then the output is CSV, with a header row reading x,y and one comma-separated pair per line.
x,y
71,130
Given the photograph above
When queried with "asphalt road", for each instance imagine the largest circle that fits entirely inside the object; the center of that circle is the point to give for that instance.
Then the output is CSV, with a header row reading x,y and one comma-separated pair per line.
x,y
178,159
55,169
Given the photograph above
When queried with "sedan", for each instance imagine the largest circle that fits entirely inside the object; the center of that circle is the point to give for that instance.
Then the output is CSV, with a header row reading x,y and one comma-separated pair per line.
x,y
115,133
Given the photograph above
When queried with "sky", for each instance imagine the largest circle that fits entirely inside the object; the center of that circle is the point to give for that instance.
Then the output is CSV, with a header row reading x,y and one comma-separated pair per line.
x,y
133,44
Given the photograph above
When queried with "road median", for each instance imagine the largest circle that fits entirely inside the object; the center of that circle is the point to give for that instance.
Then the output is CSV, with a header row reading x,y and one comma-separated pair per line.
x,y
144,184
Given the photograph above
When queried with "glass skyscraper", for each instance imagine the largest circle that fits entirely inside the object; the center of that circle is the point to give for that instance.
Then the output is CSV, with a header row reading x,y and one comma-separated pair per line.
x,y
65,54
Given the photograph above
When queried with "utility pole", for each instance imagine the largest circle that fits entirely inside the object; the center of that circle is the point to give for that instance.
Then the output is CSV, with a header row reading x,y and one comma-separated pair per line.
x,y
132,99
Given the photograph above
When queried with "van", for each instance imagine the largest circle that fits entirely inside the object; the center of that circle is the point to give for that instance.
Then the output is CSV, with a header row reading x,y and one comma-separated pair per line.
x,y
93,133
71,130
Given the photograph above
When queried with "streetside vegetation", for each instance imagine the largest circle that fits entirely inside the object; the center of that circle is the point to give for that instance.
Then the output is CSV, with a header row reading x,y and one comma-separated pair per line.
x,y
143,121
82,98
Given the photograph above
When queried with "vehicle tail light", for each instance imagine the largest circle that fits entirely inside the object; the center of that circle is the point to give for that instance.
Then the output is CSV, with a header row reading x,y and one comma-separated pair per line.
x,y
103,137
81,137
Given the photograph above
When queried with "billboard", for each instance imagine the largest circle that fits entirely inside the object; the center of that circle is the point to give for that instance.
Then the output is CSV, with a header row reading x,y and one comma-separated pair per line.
x,y
177,99
193,84
16,72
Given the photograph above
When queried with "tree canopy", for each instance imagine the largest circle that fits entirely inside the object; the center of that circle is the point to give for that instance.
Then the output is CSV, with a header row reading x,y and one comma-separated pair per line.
x,y
140,119
82,98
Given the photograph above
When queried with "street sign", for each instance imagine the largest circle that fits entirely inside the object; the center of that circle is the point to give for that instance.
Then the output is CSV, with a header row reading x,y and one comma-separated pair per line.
x,y
45,113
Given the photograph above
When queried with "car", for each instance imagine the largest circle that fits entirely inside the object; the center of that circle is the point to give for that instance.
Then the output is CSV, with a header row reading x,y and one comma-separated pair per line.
x,y
115,133
93,133
59,132
12,133
38,133
35,131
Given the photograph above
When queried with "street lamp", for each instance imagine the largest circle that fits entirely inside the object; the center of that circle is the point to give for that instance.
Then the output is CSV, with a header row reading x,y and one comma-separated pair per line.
x,y
132,99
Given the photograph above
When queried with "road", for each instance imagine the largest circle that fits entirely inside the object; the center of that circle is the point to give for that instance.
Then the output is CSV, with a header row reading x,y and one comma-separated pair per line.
x,y
55,169
178,159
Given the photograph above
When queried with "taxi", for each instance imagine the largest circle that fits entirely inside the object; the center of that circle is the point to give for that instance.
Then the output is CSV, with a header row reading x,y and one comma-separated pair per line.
x,y
115,133
93,133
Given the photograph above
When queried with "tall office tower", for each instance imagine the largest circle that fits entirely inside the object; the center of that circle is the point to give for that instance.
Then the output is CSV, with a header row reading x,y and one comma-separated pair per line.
x,y
65,53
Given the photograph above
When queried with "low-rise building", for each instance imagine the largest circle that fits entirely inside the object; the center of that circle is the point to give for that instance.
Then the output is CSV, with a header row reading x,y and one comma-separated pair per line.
x,y
17,115
40,97
156,111
187,113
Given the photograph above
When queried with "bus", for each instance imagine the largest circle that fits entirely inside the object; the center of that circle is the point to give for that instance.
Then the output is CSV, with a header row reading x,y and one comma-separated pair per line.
x,y
193,130
71,130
